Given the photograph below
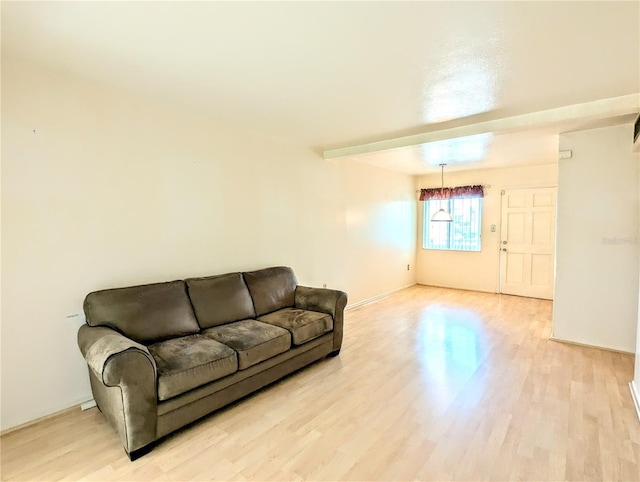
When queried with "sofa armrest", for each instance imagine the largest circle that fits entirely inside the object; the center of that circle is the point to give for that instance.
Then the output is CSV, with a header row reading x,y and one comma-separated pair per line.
x,y
99,345
327,301
123,381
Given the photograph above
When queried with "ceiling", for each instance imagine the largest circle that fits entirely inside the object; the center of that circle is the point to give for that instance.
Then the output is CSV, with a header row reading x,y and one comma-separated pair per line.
x,y
331,75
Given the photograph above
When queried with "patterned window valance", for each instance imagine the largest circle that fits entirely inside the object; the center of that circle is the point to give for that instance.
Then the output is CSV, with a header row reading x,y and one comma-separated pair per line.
x,y
451,192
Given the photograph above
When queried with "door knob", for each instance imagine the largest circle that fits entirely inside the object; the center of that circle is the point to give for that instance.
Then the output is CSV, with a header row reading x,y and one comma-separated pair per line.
x,y
504,249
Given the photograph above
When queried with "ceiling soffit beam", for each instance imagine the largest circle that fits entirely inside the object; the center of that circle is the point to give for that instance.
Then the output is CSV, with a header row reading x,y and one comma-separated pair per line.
x,y
598,109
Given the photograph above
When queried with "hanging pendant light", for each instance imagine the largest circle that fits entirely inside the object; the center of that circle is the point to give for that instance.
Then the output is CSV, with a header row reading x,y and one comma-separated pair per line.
x,y
441,215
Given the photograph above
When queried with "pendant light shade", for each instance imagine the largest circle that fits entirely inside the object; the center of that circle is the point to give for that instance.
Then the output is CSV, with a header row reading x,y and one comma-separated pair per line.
x,y
441,215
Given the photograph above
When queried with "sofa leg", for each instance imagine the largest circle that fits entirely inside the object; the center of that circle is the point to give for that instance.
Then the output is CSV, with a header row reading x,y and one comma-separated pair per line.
x,y
136,454
334,353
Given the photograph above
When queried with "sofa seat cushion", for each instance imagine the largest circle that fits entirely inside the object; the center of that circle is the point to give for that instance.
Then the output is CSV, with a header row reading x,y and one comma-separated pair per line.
x,y
190,361
304,325
254,341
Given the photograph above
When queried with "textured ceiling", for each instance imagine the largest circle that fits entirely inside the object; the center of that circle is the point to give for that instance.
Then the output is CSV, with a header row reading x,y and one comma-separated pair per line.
x,y
335,74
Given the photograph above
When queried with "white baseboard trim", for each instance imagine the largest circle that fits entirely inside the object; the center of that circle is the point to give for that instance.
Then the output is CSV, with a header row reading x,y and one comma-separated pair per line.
x,y
477,290
87,405
377,297
586,345
75,406
635,395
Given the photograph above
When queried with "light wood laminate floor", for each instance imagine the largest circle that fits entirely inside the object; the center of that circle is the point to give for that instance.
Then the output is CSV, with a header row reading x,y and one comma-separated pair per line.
x,y
431,384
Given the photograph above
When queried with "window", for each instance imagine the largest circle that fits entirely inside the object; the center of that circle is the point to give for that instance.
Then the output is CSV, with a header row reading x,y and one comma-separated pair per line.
x,y
463,234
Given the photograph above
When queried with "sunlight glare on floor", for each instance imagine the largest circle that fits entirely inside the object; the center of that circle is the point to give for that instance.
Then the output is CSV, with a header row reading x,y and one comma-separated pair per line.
x,y
449,348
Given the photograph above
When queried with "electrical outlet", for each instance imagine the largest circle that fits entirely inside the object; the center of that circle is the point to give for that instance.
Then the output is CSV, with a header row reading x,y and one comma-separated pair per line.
x,y
324,285
408,267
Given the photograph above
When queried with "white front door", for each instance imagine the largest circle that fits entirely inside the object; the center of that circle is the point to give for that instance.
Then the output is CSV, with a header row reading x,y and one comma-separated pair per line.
x,y
527,244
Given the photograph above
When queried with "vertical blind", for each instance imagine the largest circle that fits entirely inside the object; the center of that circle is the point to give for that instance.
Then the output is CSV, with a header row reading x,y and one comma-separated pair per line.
x,y
463,234
465,205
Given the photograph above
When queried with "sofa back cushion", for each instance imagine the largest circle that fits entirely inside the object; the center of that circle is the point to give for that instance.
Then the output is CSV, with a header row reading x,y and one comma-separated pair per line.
x,y
271,288
220,299
146,314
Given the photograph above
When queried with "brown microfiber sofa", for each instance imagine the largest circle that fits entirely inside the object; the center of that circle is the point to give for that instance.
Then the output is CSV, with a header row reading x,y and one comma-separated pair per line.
x,y
163,355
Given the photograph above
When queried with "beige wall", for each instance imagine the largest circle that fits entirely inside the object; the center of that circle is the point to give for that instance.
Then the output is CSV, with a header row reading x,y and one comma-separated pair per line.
x,y
476,270
596,290
110,191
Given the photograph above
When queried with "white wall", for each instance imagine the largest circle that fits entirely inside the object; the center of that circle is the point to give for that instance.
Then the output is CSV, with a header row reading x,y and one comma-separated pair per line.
x,y
479,271
596,290
102,190
381,225
635,384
